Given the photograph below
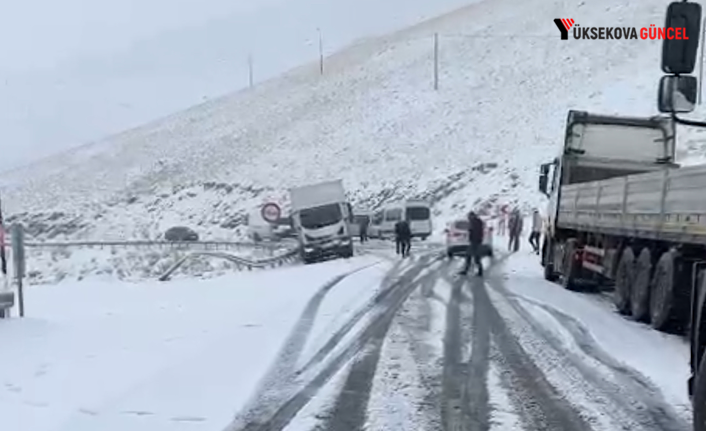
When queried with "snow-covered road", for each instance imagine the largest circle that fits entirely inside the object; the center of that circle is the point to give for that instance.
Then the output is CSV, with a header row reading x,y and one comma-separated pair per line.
x,y
373,343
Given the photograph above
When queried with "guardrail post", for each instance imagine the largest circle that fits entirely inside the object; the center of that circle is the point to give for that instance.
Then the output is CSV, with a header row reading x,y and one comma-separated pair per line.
x,y
18,258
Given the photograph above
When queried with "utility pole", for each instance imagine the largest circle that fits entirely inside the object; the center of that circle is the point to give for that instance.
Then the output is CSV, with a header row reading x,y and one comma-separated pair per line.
x,y
701,63
321,52
436,61
250,72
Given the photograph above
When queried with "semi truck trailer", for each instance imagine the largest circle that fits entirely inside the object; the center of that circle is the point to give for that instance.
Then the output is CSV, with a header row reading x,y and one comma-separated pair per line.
x,y
622,212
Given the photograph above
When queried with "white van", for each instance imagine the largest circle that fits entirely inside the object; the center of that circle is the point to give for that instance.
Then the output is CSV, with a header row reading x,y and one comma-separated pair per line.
x,y
417,213
376,224
258,228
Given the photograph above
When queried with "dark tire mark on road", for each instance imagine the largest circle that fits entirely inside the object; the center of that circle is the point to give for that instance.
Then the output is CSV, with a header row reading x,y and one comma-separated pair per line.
x,y
465,401
477,384
350,409
387,287
539,403
465,404
285,412
281,377
455,407
630,397
415,319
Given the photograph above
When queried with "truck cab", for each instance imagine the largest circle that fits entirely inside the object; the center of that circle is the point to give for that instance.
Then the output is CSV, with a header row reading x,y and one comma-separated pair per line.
x,y
322,218
598,147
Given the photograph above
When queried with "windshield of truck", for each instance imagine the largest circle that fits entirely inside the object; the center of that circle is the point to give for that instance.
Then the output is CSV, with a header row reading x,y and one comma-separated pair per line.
x,y
325,215
418,213
621,142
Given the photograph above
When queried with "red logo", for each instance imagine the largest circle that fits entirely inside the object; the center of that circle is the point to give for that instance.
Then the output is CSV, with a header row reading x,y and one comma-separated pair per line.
x,y
564,25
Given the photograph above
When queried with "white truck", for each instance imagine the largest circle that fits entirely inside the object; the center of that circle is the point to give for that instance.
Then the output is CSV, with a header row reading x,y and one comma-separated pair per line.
x,y
321,217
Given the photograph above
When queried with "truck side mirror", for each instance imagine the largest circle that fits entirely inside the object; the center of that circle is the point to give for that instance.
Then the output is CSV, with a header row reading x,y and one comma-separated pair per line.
x,y
677,94
544,177
543,180
683,23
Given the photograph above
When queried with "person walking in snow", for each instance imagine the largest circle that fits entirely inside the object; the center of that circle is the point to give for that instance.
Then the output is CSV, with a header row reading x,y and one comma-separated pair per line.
x,y
515,230
403,238
363,229
536,233
502,219
474,254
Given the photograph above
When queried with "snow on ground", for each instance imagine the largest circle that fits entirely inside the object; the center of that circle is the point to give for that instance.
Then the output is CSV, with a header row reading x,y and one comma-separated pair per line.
x,y
502,416
348,299
373,119
55,264
667,365
115,356
397,388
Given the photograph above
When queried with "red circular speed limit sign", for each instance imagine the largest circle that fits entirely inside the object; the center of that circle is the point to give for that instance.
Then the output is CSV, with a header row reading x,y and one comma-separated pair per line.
x,y
271,212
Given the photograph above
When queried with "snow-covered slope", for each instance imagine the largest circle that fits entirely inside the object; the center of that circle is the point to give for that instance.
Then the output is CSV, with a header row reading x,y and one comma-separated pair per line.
x,y
373,119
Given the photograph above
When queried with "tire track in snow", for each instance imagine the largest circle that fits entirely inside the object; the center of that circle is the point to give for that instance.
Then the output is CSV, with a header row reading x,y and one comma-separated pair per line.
x,y
628,392
281,376
388,283
416,325
286,411
350,410
465,402
540,404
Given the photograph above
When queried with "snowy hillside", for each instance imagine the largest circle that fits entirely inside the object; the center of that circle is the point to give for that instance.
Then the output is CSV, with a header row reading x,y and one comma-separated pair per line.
x,y
373,119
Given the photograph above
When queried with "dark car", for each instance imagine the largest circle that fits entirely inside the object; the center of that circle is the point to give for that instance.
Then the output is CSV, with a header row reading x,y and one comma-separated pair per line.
x,y
180,233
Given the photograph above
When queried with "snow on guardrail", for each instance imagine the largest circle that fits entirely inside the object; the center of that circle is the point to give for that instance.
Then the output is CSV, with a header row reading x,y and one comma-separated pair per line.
x,y
240,262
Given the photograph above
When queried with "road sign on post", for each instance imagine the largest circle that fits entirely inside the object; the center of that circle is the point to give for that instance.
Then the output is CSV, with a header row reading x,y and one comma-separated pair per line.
x,y
271,212
18,259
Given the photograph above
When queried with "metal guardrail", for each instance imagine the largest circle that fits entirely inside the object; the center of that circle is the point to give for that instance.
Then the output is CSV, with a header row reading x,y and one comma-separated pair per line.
x,y
161,244
240,262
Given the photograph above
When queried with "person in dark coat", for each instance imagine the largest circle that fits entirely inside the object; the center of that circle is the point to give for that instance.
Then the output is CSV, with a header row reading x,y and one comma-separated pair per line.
x,y
363,228
515,230
476,228
403,238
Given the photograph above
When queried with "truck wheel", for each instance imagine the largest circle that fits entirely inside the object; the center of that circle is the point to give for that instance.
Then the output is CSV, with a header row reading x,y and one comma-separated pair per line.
x,y
548,261
571,267
699,397
640,293
623,281
668,305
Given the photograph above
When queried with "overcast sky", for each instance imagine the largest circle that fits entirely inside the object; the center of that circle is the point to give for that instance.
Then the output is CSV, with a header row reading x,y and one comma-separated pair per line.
x,y
74,71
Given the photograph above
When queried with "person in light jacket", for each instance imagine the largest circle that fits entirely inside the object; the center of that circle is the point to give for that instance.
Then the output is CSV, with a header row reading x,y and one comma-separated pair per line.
x,y
536,233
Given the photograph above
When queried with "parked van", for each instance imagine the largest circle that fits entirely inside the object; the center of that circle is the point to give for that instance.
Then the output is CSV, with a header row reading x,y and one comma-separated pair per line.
x,y
376,224
417,213
258,228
